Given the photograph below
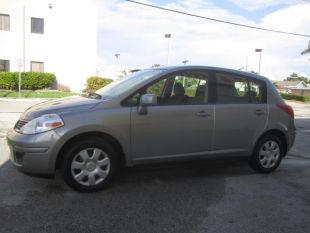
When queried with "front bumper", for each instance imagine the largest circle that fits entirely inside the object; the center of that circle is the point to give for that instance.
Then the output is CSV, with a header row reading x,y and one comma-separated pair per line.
x,y
33,154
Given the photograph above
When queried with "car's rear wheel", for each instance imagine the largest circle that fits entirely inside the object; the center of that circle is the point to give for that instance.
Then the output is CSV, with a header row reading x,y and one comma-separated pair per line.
x,y
90,164
267,154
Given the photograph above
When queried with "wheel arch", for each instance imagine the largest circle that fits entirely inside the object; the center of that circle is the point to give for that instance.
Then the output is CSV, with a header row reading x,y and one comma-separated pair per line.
x,y
109,138
276,132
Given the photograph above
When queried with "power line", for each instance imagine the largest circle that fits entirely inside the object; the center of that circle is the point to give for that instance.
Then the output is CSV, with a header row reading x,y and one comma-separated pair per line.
x,y
217,20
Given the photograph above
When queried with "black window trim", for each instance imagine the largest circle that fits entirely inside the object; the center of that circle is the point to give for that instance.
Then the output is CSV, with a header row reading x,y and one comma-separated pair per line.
x,y
210,76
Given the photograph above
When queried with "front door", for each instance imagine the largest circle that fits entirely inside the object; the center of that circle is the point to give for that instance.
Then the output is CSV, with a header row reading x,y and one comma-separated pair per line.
x,y
181,124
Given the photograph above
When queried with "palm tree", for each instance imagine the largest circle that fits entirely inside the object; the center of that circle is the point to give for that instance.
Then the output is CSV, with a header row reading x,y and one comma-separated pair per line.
x,y
307,50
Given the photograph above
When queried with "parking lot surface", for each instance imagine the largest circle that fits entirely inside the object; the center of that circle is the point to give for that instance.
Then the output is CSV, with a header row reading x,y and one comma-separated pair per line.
x,y
204,196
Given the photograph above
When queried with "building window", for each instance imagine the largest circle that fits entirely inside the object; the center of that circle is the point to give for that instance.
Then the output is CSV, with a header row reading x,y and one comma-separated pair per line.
x,y
37,25
4,65
4,22
37,66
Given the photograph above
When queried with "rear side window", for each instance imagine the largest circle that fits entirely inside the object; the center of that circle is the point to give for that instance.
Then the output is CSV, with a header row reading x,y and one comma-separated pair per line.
x,y
257,92
233,89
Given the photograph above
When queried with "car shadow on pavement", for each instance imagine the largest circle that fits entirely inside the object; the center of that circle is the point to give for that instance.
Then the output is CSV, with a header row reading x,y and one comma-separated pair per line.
x,y
178,171
141,174
149,198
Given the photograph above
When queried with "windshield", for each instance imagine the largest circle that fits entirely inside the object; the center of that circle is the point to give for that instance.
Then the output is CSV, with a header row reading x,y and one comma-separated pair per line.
x,y
120,86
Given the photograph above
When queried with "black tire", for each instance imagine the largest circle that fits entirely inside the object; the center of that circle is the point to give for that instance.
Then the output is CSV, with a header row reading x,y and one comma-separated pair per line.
x,y
76,148
255,161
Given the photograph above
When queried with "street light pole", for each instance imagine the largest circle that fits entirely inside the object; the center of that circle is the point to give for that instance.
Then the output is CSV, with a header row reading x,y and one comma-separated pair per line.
x,y
117,55
260,59
20,64
168,36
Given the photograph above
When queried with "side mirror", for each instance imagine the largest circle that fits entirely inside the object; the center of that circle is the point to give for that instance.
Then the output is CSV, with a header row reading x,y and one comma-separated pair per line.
x,y
146,100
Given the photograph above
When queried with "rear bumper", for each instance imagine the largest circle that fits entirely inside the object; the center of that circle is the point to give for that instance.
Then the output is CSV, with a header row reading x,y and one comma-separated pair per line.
x,y
33,154
291,139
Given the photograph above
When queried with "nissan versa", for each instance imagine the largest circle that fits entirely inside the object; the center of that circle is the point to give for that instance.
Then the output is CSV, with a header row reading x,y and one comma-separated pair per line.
x,y
154,115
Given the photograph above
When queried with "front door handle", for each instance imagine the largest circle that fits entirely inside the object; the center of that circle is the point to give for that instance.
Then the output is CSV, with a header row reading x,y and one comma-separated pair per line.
x,y
203,114
259,112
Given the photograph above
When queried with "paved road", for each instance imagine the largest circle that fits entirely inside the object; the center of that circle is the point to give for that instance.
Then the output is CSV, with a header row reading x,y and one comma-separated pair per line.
x,y
209,196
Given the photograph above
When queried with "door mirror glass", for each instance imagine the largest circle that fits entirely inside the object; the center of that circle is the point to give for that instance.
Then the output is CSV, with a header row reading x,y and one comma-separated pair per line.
x,y
148,99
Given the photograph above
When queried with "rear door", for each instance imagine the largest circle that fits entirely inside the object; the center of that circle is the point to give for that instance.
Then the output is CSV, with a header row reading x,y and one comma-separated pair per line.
x,y
240,112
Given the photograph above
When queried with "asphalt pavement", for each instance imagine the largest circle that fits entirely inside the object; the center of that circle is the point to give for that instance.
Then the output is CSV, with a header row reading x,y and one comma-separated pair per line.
x,y
204,196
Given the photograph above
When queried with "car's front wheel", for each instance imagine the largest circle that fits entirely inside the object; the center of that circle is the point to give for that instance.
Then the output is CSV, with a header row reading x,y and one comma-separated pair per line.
x,y
267,154
90,164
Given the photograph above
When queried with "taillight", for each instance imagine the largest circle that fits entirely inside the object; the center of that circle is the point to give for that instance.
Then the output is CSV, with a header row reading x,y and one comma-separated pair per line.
x,y
286,108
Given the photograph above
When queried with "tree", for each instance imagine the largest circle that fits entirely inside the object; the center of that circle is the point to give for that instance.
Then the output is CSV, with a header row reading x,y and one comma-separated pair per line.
x,y
307,50
122,74
156,66
95,83
295,77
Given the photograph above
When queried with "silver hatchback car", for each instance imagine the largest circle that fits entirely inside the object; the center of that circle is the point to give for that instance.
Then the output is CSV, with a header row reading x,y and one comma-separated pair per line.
x,y
154,115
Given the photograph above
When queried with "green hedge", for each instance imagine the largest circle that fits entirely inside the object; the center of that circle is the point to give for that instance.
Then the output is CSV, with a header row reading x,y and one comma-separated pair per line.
x,y
301,98
36,94
95,83
29,80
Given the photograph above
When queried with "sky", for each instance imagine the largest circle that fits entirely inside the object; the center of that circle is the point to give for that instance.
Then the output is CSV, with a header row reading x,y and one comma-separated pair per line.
x,y
137,34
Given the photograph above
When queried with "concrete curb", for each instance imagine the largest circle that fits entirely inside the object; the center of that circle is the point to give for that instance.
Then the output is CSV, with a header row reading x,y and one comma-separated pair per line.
x,y
11,99
298,156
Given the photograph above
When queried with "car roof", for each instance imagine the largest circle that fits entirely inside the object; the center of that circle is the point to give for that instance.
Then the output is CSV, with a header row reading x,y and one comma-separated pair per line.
x,y
237,72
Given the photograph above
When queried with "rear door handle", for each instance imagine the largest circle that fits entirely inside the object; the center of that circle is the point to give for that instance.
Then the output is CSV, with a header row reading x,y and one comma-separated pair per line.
x,y
202,114
259,112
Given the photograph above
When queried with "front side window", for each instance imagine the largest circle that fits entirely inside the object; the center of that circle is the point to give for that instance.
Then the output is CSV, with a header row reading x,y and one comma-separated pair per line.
x,y
37,25
123,85
37,66
157,88
187,88
4,65
232,89
4,22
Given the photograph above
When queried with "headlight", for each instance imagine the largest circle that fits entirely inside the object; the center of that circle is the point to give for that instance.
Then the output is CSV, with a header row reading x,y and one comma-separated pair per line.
x,y
42,124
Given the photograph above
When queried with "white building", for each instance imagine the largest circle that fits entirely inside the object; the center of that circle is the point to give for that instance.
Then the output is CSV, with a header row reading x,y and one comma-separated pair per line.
x,y
57,36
